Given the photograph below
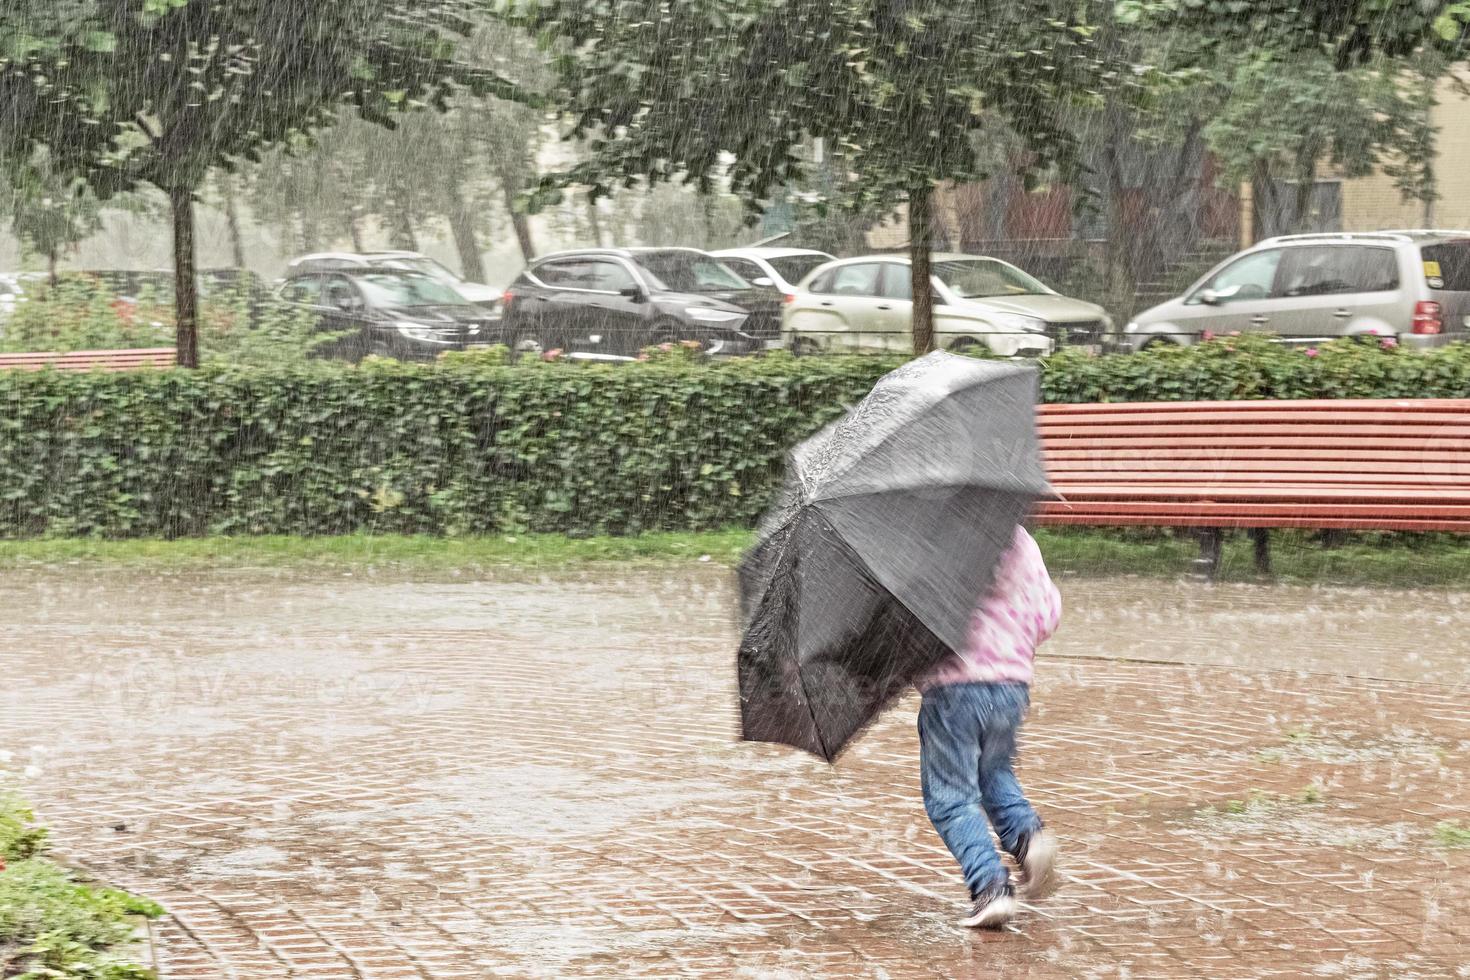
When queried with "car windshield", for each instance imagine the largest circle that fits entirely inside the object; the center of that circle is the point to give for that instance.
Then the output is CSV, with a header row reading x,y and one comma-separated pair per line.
x,y
406,289
794,268
689,272
425,265
983,278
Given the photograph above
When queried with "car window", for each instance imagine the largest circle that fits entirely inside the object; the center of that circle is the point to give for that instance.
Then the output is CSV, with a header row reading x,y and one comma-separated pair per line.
x,y
1447,266
341,294
406,289
743,267
1325,270
689,272
1250,277
898,281
986,278
424,264
822,283
795,268
609,276
307,289
856,280
563,272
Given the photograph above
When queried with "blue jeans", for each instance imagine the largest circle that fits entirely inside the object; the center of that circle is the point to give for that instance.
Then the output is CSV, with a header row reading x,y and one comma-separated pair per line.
x,y
967,740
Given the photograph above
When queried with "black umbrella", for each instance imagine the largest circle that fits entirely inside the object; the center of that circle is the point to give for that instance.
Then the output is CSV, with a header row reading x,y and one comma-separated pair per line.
x,y
886,534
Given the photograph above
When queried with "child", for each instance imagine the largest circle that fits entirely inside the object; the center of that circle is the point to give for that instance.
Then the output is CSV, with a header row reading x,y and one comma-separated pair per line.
x,y
974,703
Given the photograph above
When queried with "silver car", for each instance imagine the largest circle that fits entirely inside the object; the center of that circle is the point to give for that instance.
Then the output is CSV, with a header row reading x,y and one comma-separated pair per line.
x,y
1410,285
779,268
979,302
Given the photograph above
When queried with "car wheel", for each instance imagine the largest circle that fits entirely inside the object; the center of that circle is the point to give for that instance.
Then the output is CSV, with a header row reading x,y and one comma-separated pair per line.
x,y
805,347
527,345
1157,343
673,332
971,347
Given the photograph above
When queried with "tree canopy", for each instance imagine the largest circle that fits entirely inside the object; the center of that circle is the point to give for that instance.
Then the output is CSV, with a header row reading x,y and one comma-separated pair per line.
x,y
125,92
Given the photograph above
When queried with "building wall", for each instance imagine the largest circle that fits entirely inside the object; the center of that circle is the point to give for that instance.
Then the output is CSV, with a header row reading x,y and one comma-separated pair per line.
x,y
1373,203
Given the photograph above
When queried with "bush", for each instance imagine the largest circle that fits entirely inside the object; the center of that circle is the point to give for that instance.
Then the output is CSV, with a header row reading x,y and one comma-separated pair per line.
x,y
477,447
239,323
52,924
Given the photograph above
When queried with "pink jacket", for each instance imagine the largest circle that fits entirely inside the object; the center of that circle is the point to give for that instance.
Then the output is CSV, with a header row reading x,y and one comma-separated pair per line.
x,y
1020,612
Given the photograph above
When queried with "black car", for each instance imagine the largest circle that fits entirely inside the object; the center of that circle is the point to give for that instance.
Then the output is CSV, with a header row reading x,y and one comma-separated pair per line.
x,y
614,303
388,313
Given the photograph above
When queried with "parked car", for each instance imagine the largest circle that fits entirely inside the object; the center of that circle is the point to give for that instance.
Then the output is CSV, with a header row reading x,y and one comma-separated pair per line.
x,y
12,292
1410,285
777,268
979,302
475,292
388,312
614,302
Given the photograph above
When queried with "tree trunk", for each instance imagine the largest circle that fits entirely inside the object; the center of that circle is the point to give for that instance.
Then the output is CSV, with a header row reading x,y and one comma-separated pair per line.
x,y
462,225
921,254
1267,200
354,228
186,297
51,267
595,220
232,220
1306,182
1121,269
518,219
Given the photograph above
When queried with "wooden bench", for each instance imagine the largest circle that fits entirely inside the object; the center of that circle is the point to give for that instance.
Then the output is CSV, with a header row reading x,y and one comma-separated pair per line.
x,y
92,360
1384,465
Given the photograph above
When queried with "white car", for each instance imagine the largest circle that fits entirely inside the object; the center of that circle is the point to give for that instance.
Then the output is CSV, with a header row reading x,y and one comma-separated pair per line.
x,y
779,268
979,303
475,292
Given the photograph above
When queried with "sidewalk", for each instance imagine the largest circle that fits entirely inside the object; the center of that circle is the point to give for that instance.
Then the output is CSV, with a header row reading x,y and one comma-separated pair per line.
x,y
512,788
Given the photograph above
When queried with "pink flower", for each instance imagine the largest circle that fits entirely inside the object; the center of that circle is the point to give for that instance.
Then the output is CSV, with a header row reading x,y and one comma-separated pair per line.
x,y
1388,343
1207,335
1311,352
1373,331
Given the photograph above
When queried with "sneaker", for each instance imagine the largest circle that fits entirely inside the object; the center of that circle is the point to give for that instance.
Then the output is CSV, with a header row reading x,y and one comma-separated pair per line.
x,y
1037,857
992,909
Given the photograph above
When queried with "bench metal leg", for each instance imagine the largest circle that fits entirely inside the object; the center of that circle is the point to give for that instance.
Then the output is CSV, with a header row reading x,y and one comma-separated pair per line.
x,y
1211,543
1261,538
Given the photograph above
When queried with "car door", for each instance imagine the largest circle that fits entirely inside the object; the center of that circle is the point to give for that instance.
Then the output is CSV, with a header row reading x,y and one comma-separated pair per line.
x,y
854,296
894,312
1241,297
618,306
559,314
1328,291
343,311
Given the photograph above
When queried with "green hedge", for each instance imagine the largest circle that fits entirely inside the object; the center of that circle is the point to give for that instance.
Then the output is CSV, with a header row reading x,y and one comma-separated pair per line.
x,y
475,447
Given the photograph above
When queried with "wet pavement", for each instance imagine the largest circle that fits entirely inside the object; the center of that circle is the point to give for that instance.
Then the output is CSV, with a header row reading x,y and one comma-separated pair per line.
x,y
334,776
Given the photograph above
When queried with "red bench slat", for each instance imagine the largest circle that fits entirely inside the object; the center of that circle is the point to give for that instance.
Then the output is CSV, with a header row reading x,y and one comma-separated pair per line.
x,y
1392,464
92,360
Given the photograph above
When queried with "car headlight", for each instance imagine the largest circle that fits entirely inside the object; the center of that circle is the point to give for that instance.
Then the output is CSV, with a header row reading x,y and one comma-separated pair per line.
x,y
416,331
708,314
1018,321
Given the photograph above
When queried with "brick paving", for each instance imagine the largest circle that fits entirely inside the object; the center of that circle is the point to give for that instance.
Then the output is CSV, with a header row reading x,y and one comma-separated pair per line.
x,y
383,779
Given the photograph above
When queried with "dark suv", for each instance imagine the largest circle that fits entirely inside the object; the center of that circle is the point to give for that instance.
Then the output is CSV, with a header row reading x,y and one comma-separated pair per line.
x,y
613,303
388,313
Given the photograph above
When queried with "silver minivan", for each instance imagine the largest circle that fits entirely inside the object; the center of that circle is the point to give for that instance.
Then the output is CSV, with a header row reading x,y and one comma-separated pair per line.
x,y
1410,285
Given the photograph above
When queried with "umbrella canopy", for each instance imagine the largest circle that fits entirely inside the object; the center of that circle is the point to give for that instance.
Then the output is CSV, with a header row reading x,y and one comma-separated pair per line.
x,y
885,535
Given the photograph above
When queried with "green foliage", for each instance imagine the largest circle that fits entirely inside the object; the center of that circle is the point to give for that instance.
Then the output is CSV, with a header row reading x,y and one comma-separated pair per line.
x,y
51,924
467,447
240,325
1452,833
82,313
50,213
